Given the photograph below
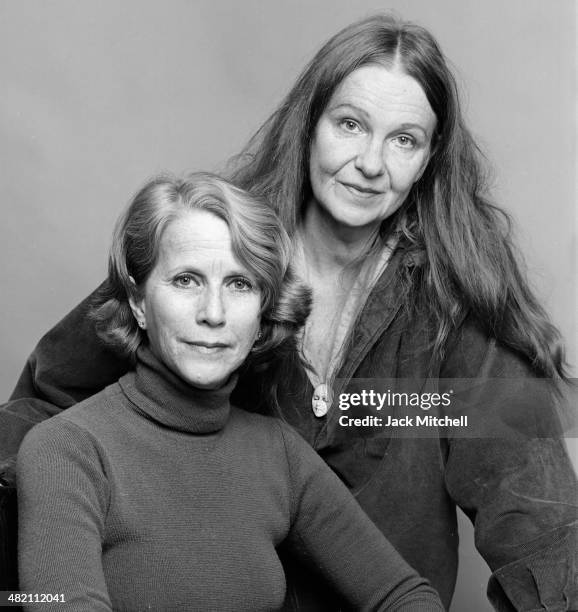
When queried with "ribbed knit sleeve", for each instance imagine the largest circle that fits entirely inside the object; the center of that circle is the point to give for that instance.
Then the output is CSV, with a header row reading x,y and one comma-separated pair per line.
x,y
62,499
331,533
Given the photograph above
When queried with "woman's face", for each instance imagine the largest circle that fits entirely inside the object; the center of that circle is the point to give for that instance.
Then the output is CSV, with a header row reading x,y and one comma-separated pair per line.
x,y
200,305
371,144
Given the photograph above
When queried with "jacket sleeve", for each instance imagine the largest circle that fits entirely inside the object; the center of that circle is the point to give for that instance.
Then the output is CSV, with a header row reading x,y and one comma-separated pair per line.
x,y
512,476
62,502
68,365
331,533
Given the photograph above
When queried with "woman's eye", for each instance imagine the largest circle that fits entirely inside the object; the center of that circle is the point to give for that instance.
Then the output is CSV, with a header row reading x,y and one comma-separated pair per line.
x,y
185,280
350,125
406,142
241,284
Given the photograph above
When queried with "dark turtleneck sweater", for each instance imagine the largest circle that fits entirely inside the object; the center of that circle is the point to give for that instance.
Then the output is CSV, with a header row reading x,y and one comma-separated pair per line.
x,y
153,495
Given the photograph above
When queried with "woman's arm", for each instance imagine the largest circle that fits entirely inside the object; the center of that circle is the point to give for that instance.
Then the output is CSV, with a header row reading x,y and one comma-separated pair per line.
x,y
331,533
514,478
62,501
68,365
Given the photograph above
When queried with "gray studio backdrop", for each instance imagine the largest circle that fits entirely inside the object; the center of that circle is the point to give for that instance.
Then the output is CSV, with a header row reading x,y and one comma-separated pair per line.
x,y
97,96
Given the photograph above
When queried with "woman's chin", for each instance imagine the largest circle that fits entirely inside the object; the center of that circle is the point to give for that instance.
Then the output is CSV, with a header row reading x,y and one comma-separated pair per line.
x,y
209,382
204,377
355,218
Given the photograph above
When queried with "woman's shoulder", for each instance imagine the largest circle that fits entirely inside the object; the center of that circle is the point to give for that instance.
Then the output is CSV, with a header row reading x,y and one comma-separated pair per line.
x,y
473,351
95,409
83,421
65,449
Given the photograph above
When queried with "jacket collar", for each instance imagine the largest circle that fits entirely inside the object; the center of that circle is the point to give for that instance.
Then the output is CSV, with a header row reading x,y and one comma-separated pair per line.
x,y
381,307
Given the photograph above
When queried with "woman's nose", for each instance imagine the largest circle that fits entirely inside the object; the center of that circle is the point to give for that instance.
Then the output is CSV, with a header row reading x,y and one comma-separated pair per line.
x,y
370,159
212,309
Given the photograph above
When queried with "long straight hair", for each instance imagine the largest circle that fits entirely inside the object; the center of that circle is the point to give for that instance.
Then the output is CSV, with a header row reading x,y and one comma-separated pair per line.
x,y
470,265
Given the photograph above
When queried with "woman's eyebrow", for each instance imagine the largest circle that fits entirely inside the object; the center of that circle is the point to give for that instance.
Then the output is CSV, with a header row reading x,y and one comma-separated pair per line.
x,y
239,272
409,126
349,106
191,268
182,268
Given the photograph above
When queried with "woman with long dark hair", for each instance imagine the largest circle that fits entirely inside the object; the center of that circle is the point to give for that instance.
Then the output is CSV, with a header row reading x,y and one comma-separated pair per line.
x,y
380,185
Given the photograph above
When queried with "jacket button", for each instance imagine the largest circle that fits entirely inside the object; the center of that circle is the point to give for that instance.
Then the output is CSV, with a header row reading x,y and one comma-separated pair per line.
x,y
319,400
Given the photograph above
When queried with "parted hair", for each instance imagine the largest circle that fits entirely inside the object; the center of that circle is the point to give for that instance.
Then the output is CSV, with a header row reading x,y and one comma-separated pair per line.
x,y
258,239
470,265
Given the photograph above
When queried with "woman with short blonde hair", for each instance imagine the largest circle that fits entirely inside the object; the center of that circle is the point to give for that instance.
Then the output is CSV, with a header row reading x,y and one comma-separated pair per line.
x,y
157,493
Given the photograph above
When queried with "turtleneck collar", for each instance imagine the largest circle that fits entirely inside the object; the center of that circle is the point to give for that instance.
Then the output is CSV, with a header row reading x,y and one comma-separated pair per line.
x,y
164,397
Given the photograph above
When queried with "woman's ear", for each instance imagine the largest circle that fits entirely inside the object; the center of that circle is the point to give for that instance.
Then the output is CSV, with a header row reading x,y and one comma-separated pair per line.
x,y
137,303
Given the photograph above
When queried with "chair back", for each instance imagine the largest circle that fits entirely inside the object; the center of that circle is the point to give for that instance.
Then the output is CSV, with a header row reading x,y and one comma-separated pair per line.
x,y
8,539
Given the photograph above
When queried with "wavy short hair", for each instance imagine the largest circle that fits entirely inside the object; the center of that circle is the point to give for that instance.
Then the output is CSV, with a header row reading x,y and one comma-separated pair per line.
x,y
258,239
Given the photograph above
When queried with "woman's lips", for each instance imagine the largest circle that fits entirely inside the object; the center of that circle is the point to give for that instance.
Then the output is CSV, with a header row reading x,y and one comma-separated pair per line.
x,y
208,348
361,190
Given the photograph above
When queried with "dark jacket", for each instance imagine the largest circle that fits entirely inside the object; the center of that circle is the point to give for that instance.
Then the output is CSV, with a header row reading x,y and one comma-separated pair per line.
x,y
508,469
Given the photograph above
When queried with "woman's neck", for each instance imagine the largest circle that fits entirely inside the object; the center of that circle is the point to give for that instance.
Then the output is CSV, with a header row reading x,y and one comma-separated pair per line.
x,y
164,397
330,247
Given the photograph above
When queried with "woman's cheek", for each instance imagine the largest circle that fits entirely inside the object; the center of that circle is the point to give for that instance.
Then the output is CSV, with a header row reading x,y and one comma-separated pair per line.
x,y
250,326
337,154
327,153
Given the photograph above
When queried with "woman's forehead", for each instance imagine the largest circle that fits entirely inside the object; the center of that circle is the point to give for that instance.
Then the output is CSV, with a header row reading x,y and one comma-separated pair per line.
x,y
377,90
200,241
198,234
